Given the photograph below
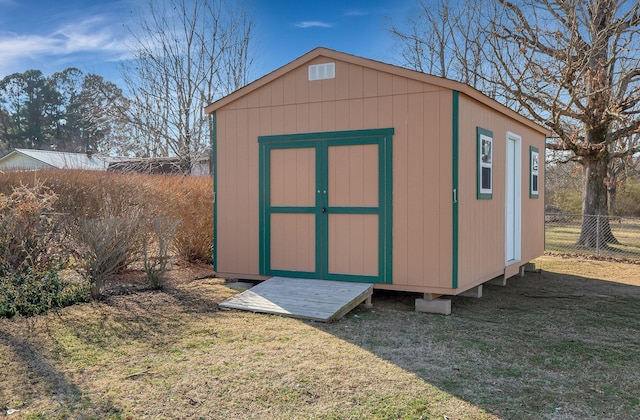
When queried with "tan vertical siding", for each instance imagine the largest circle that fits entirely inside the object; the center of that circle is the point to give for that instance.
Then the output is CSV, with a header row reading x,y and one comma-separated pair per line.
x,y
356,99
252,230
356,81
353,176
342,80
293,177
315,117
242,184
277,92
289,85
353,240
370,110
532,208
356,114
482,222
302,85
370,83
328,90
441,121
416,191
400,191
293,242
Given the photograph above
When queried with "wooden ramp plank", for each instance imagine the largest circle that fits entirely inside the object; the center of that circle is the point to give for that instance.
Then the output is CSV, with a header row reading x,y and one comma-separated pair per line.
x,y
318,300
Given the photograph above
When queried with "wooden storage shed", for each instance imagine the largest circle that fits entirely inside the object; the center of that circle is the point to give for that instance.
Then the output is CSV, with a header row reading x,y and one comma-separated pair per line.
x,y
342,168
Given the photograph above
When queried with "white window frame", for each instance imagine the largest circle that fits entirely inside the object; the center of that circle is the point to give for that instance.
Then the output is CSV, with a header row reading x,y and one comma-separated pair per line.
x,y
534,172
484,162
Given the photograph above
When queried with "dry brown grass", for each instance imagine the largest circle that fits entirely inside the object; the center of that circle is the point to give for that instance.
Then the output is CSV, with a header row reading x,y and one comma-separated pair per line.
x,y
549,345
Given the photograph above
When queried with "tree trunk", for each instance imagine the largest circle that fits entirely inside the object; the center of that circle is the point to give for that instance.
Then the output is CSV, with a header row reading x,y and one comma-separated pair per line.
x,y
596,231
613,195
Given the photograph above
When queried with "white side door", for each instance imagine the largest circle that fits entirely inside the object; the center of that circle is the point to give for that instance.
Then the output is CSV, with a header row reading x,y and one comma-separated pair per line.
x,y
513,199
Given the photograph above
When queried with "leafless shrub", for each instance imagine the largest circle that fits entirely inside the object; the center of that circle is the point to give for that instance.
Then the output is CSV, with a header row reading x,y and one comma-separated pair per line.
x,y
31,233
33,250
106,246
156,247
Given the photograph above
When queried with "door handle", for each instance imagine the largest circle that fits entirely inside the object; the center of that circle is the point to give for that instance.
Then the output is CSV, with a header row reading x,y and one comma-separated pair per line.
x,y
324,209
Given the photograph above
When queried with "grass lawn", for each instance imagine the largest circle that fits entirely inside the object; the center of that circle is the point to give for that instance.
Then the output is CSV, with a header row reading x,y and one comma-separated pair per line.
x,y
560,343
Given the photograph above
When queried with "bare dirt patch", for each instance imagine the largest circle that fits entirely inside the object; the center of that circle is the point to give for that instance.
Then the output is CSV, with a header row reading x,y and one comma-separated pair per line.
x,y
553,344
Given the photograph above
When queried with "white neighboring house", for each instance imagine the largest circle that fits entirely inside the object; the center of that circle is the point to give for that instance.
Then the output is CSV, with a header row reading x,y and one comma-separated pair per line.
x,y
29,159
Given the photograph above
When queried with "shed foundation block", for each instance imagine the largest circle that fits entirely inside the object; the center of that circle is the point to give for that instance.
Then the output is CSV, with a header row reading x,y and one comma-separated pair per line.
x,y
498,281
474,292
436,306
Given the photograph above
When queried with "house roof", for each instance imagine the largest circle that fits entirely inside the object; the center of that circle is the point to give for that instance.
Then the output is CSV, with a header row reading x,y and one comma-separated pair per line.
x,y
63,160
376,65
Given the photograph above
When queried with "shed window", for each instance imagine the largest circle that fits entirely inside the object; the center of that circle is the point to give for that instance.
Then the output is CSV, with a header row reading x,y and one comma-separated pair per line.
x,y
534,172
485,164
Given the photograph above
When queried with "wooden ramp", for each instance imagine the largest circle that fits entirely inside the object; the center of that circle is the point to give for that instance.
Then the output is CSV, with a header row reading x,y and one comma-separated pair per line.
x,y
318,300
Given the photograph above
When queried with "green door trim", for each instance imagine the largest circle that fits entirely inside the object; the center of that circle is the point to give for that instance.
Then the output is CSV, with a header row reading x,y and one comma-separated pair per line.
x,y
214,173
455,146
321,142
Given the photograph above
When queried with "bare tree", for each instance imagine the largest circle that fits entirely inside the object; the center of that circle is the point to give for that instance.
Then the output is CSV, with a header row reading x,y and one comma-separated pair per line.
x,y
574,66
571,65
621,169
187,53
444,39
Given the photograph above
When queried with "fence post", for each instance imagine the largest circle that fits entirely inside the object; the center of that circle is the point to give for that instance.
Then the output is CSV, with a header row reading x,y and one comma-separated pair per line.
x,y
598,236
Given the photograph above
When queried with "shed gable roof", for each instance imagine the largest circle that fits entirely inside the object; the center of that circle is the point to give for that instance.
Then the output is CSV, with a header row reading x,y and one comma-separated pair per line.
x,y
375,65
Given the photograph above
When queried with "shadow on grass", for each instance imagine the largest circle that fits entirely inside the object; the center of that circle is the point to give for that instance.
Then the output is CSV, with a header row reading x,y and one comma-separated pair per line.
x,y
548,345
79,341
58,388
142,318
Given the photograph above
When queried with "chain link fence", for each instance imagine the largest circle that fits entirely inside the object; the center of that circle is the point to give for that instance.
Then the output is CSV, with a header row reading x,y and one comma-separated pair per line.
x,y
599,236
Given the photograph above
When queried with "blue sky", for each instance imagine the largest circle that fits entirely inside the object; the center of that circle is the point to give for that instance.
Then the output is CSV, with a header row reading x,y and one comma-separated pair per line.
x,y
92,35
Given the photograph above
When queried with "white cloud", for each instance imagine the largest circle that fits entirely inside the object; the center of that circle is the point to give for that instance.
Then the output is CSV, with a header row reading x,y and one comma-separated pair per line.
x,y
92,38
355,13
313,24
14,46
87,35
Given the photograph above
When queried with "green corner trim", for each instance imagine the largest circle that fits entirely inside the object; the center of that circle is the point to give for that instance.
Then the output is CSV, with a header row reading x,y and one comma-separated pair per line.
x,y
262,203
455,147
480,132
534,194
214,173
321,143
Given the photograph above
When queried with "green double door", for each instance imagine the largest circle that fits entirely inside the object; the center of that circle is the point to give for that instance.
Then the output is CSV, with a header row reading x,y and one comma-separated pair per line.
x,y
325,205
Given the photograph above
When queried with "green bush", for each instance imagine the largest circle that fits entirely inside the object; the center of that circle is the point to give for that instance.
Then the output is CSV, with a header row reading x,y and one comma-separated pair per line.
x,y
628,199
32,291
567,201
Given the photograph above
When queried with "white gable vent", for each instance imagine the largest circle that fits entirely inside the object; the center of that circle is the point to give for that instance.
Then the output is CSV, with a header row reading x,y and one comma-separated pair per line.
x,y
322,71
